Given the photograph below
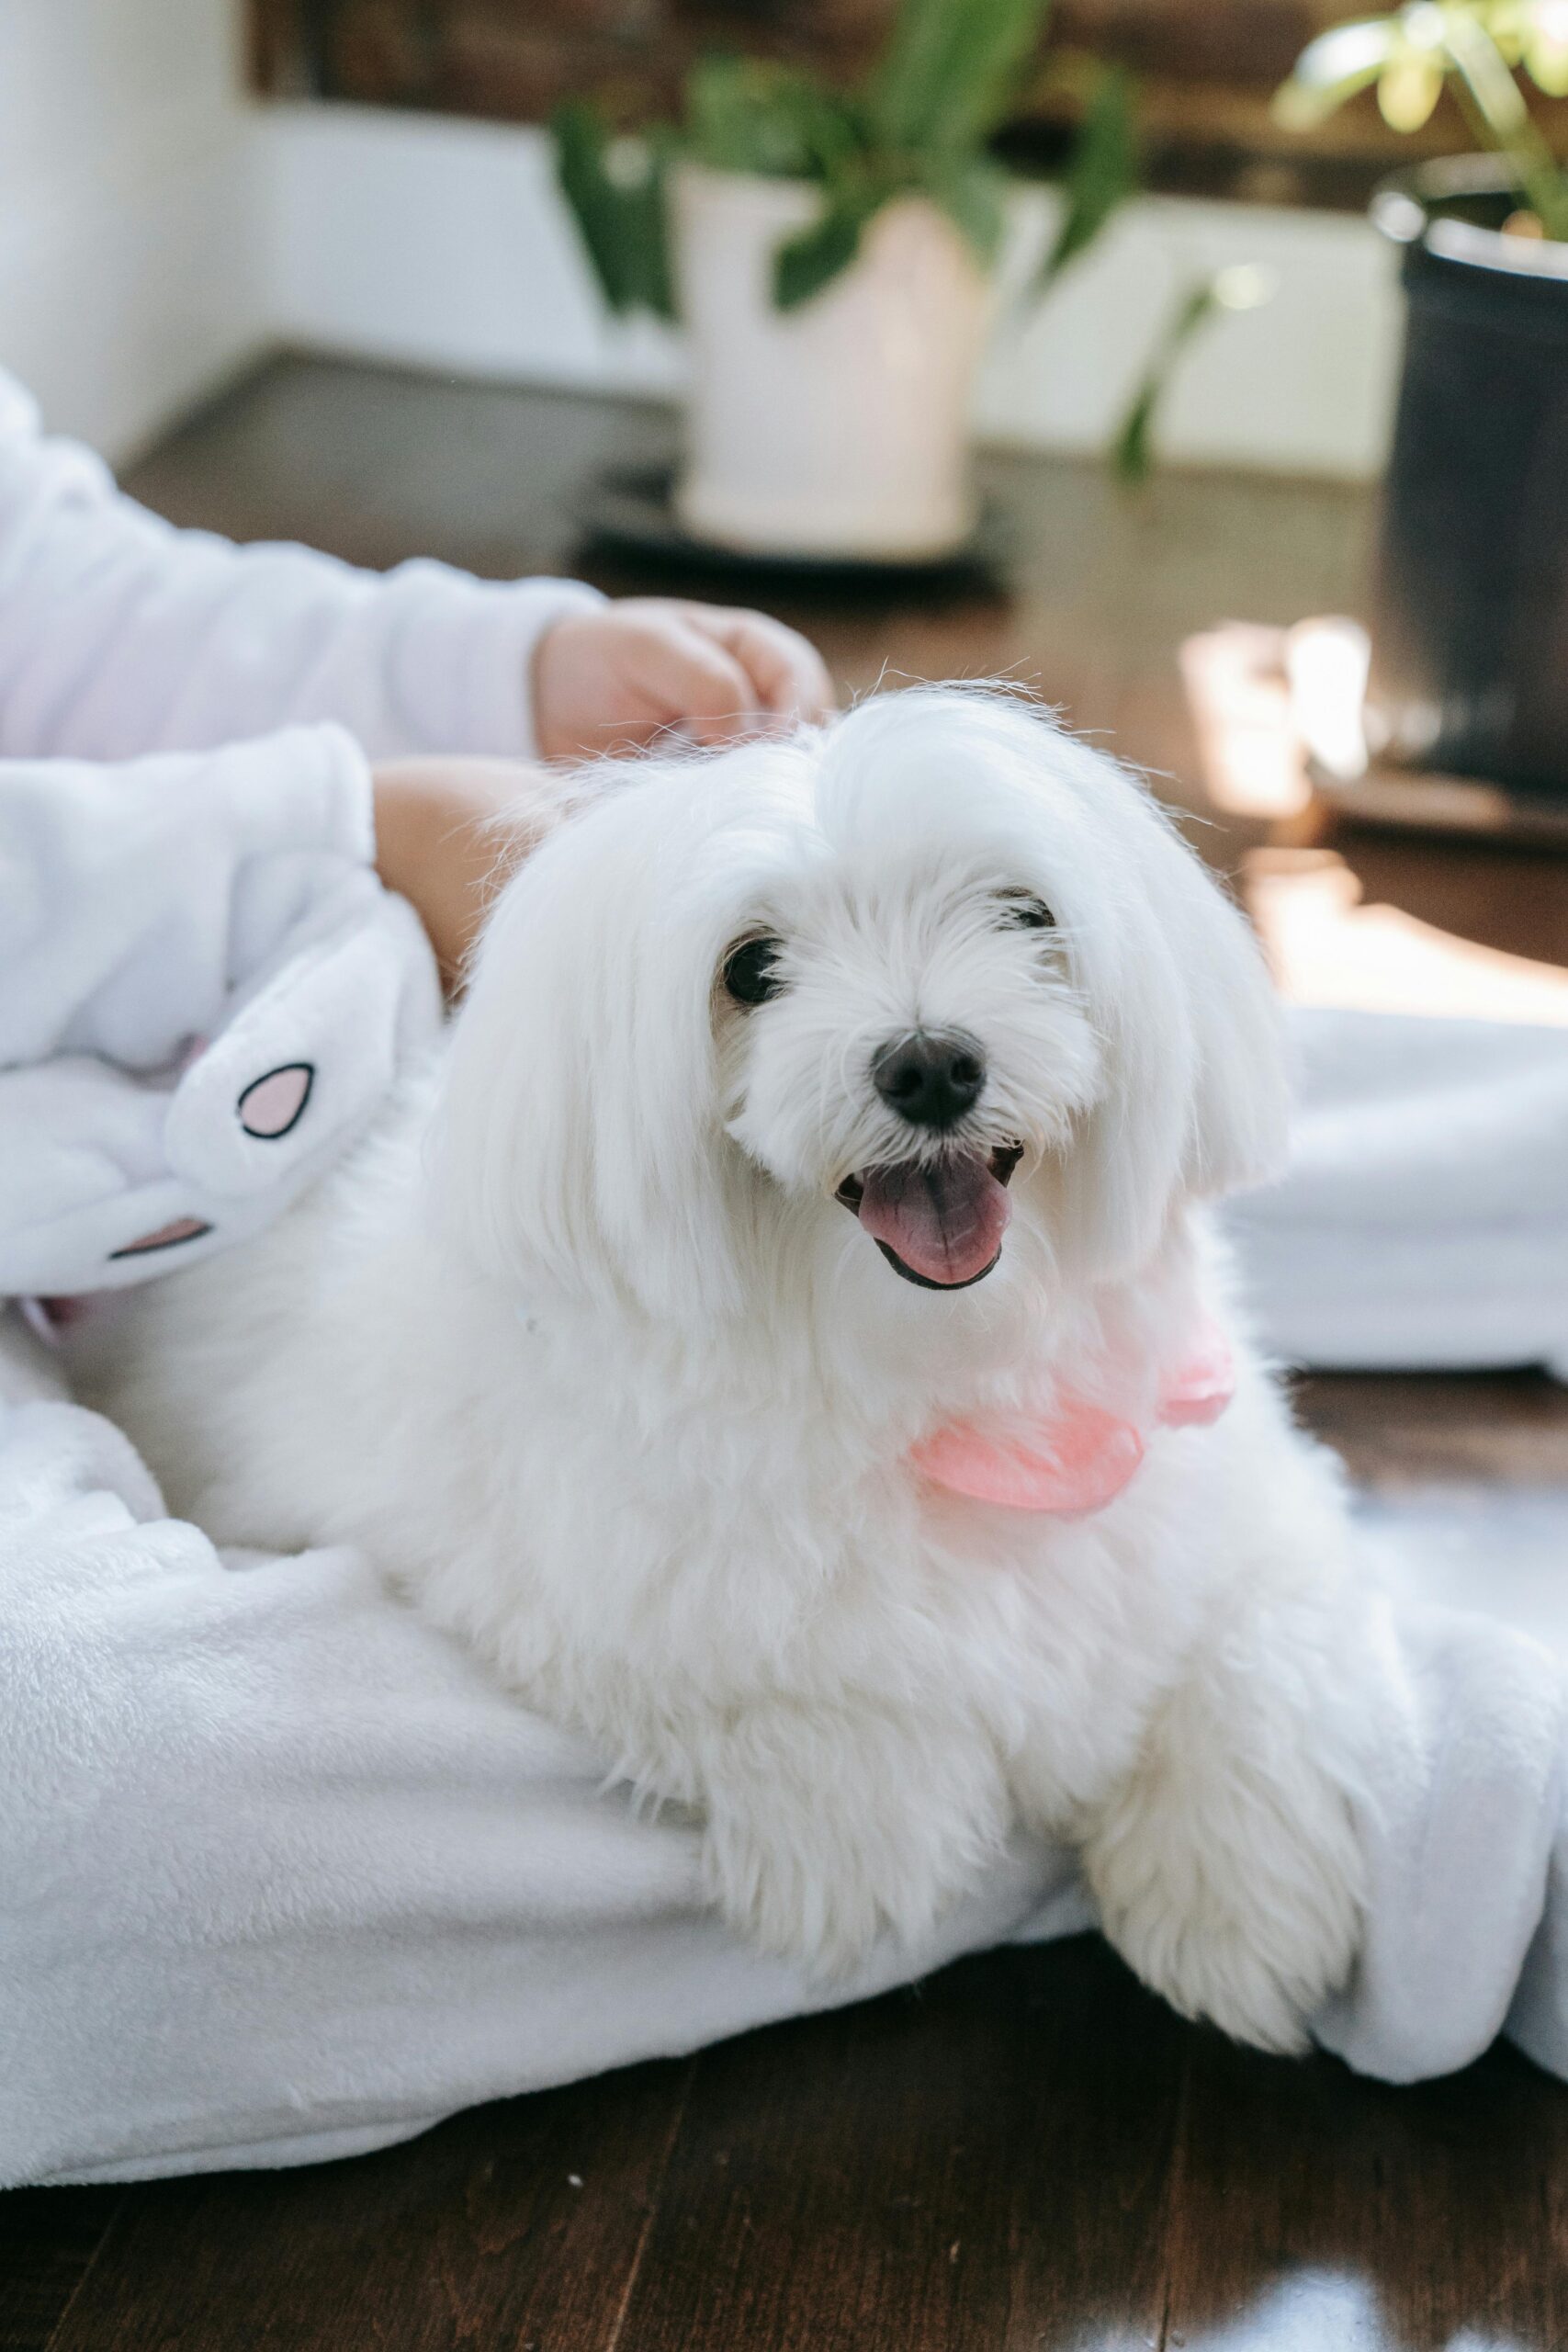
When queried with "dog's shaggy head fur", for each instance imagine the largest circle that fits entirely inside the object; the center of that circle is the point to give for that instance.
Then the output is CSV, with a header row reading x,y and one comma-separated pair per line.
x,y
704,1015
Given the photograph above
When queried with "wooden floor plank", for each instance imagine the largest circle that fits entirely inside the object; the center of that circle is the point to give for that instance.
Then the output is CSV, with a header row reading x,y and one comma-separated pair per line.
x,y
1502,1430
48,2241
1313,2212
518,2226
980,2165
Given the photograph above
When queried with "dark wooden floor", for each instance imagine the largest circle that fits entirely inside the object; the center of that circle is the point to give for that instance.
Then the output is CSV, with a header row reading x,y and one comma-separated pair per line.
x,y
1028,2151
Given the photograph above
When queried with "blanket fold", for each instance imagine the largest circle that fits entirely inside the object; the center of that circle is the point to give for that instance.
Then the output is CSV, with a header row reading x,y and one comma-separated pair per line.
x,y
1422,1224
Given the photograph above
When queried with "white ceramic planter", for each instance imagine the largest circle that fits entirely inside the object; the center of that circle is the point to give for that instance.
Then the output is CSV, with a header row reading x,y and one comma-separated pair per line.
x,y
842,428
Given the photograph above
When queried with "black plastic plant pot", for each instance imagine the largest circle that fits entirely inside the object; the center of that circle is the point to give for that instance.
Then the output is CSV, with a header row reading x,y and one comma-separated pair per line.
x,y
1469,616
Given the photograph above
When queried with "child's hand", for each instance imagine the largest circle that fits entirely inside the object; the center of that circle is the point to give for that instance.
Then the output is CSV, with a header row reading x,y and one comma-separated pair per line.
x,y
614,679
444,826
603,680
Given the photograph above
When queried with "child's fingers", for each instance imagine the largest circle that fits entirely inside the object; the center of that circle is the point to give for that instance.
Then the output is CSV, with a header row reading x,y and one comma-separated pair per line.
x,y
789,678
695,682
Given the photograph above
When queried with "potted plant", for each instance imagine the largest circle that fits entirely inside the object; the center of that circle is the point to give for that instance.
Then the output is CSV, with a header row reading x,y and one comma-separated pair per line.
x,y
831,253
1469,608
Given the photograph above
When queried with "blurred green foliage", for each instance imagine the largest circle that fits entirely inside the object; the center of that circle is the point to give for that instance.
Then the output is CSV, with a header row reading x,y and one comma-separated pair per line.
x,y
921,123
1478,48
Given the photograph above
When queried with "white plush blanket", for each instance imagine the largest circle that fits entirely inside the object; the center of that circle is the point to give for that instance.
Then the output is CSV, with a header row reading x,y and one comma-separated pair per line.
x,y
282,1874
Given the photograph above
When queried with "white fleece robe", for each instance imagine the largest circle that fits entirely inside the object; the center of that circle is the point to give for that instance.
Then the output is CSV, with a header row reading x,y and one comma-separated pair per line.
x,y
283,1875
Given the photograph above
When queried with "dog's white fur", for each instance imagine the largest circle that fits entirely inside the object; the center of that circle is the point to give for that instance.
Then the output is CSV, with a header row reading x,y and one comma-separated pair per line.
x,y
613,1384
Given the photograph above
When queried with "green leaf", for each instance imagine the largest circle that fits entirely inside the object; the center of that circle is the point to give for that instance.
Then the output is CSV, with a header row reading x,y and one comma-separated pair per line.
x,y
621,217
1102,174
1238,287
746,114
973,194
582,175
1496,105
951,69
1408,89
1132,452
646,219
1546,57
736,121
807,261
1341,63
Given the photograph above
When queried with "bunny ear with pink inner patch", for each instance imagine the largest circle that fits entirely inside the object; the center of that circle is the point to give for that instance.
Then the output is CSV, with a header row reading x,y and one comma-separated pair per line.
x,y
272,1107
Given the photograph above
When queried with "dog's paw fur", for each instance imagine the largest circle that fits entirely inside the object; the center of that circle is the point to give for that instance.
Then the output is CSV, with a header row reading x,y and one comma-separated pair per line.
x,y
1246,1912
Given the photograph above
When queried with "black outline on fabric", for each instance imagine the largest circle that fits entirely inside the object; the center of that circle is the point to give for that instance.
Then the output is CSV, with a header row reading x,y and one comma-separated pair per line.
x,y
174,1241
276,1135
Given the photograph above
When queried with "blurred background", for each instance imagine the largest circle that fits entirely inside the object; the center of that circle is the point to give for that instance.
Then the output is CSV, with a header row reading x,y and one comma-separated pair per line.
x,y
187,182
1073,344
1201,364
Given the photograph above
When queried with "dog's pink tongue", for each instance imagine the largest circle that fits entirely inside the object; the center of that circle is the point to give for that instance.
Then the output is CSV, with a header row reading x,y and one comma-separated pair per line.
x,y
946,1222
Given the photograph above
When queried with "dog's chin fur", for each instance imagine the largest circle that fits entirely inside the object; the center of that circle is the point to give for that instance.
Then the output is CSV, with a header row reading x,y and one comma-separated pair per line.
x,y
585,1348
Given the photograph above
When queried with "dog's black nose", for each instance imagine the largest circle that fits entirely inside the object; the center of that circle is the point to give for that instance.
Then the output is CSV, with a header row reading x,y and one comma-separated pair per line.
x,y
929,1078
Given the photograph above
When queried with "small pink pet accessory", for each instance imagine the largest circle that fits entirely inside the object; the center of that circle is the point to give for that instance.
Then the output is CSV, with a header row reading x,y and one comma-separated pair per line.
x,y
1080,1457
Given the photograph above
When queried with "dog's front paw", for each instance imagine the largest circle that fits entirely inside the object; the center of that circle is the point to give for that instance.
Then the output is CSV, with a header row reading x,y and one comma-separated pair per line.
x,y
1252,1927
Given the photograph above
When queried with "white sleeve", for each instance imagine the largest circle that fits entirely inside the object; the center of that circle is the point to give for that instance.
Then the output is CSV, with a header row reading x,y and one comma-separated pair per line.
x,y
120,635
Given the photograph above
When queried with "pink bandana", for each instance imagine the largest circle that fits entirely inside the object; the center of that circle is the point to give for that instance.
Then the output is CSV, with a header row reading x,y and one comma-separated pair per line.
x,y
1081,1457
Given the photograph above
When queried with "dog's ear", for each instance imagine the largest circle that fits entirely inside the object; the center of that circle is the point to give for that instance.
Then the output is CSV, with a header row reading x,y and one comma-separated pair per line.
x,y
577,1137
1196,1103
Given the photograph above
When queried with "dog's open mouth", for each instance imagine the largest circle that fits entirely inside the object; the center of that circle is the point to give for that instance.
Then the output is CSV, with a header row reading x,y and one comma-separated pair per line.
x,y
940,1226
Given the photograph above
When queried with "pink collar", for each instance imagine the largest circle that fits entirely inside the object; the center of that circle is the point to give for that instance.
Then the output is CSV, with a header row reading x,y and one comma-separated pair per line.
x,y
1080,1457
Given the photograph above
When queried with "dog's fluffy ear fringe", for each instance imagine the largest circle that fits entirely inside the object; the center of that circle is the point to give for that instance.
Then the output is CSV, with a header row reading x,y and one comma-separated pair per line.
x,y
574,1141
1198,1104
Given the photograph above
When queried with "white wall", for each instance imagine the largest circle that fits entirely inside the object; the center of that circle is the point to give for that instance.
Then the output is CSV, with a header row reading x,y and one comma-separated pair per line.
x,y
443,243
156,230
130,245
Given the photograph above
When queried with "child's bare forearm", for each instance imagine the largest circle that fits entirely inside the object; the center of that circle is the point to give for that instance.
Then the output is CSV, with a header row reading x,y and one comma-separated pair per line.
x,y
443,827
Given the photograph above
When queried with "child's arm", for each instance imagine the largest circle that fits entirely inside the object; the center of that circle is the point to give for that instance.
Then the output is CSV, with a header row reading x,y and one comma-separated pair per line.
x,y
120,635
444,828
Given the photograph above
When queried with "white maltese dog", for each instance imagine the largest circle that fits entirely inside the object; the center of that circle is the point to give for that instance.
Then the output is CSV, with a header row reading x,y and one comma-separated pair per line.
x,y
784,1342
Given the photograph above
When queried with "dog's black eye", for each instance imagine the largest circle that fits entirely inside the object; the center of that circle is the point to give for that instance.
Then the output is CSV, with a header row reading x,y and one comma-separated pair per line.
x,y
750,970
1022,913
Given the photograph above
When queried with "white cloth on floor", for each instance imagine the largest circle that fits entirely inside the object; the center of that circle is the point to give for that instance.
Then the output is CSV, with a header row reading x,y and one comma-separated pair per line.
x,y
284,1875
1422,1224
204,994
